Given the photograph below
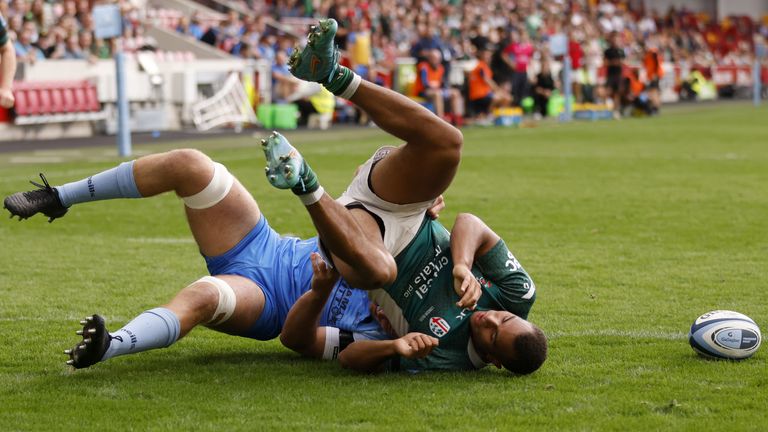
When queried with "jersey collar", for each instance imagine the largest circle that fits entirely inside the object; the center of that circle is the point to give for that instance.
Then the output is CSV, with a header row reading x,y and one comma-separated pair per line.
x,y
474,357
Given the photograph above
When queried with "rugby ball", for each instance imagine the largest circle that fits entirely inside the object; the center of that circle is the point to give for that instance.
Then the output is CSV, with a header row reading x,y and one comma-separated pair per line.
x,y
724,334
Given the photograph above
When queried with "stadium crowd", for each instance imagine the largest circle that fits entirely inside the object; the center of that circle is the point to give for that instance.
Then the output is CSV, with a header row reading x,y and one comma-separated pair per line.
x,y
516,36
506,43
63,30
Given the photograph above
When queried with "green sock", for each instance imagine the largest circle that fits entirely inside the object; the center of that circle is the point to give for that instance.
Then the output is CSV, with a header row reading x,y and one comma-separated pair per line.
x,y
340,80
307,181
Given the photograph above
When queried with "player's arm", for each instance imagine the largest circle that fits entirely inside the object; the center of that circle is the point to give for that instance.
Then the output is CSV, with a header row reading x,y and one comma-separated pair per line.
x,y
301,332
371,356
470,239
7,67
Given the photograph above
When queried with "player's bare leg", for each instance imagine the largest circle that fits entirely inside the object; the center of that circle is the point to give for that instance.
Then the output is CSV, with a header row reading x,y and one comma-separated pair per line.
x,y
226,303
220,213
421,169
418,171
351,236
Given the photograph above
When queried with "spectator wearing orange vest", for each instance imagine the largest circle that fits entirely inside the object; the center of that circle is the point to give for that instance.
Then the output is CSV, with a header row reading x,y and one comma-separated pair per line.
x,y
484,93
430,85
636,93
654,71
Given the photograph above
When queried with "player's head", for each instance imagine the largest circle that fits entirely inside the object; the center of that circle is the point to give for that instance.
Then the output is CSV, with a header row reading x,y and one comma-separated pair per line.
x,y
504,339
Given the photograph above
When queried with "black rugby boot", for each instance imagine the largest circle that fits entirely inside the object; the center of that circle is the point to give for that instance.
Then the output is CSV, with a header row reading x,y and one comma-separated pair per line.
x,y
43,200
96,341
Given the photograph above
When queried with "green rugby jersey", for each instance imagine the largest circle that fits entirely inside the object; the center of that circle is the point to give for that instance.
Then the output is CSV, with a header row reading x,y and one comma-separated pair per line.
x,y
424,292
3,31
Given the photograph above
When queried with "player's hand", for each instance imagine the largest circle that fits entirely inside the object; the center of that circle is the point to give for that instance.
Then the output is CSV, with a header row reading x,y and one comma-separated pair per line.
x,y
415,345
466,286
324,277
6,98
378,314
437,206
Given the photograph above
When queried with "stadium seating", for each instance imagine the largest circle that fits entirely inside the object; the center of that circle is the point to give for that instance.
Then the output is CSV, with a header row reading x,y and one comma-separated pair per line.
x,y
55,102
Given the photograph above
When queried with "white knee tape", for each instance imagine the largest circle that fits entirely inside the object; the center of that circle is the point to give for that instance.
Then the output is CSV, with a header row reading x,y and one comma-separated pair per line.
x,y
216,190
227,300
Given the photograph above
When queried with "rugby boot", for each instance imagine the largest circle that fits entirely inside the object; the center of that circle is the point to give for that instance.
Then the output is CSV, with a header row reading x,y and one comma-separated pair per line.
x,y
43,200
91,349
286,168
319,59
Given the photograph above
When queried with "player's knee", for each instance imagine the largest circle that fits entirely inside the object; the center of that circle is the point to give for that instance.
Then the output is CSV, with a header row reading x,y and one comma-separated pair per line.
x,y
215,300
189,162
451,143
203,189
200,299
379,271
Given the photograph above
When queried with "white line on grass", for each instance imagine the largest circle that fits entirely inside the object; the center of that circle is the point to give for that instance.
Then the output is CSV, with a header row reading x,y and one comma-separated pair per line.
x,y
36,159
161,240
629,334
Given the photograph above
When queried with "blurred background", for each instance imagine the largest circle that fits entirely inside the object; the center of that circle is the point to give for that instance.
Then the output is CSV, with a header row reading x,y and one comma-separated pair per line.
x,y
209,64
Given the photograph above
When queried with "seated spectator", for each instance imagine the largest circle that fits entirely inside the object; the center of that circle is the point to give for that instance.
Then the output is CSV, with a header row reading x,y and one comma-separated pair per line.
x,y
72,50
635,93
25,51
432,86
190,27
484,94
283,83
542,89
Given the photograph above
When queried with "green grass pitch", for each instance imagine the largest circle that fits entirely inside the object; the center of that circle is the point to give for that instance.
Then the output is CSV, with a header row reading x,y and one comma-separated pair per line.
x,y
630,229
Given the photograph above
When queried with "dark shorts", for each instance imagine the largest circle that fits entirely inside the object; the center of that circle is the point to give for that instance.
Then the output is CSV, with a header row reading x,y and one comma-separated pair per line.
x,y
614,82
482,105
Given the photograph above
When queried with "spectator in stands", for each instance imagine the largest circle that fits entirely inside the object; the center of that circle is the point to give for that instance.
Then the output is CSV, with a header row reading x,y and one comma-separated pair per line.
x,y
72,49
520,52
432,86
7,66
190,26
485,94
427,42
25,51
614,60
579,76
283,83
542,89
266,47
654,71
42,14
635,94
501,65
359,47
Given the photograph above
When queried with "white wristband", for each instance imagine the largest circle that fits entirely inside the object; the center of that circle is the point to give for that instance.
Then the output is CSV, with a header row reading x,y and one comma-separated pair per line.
x,y
312,197
352,87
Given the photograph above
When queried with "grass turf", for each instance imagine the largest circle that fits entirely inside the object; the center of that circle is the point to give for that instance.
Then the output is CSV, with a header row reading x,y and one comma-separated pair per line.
x,y
631,230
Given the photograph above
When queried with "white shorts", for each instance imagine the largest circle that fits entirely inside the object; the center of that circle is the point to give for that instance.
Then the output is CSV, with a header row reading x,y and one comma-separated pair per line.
x,y
401,221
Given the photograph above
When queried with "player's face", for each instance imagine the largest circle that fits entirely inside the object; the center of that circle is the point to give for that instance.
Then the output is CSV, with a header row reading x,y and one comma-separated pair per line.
x,y
493,334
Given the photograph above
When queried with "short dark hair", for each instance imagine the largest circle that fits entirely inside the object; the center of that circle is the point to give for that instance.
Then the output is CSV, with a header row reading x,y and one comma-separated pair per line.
x,y
530,352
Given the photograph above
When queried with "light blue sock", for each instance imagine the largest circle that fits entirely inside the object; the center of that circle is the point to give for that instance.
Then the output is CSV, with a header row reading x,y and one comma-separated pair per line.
x,y
155,328
117,182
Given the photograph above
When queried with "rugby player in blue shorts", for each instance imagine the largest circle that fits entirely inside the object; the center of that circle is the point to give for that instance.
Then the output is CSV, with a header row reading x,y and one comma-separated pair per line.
x,y
378,238
255,274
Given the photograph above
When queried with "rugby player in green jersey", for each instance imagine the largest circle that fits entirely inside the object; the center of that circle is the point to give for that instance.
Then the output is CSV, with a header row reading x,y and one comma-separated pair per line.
x,y
7,66
378,236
